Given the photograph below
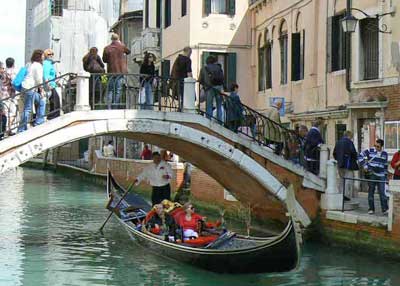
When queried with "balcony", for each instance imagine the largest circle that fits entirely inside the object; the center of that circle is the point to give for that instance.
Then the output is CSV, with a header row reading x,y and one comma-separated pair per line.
x,y
148,43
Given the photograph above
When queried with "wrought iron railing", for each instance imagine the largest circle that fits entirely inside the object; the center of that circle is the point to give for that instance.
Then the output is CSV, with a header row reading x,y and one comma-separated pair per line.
x,y
13,106
244,120
133,91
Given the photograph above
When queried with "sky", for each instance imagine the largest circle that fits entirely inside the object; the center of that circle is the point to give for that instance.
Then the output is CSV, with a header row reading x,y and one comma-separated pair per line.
x,y
12,31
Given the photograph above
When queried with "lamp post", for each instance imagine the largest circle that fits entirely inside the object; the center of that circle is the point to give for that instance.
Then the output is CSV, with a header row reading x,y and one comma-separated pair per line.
x,y
349,24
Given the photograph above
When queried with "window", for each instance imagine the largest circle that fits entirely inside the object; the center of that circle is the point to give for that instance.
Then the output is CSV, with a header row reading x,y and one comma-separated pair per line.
x,y
298,44
283,42
184,8
261,64
158,14
228,64
337,43
57,6
167,12
340,129
369,48
146,14
392,135
268,61
219,7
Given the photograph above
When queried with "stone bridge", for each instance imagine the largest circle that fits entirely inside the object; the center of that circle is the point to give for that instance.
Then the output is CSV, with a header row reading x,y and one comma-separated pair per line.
x,y
248,169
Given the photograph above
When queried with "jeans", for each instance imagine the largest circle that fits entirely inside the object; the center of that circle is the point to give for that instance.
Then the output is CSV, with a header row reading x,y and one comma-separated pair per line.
x,y
114,90
148,104
31,97
381,191
210,95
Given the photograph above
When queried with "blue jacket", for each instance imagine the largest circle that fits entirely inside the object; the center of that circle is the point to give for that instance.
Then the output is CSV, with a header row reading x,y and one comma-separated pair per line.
x,y
313,140
49,72
375,163
233,107
346,155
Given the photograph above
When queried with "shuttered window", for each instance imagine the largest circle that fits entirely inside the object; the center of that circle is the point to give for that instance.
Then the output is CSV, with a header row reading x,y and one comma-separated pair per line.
x,y
184,8
283,42
370,48
337,44
261,68
167,11
298,44
146,14
268,65
219,7
158,13
57,7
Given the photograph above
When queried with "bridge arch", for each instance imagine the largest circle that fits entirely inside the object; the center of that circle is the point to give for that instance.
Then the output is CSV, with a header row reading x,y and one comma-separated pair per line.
x,y
235,170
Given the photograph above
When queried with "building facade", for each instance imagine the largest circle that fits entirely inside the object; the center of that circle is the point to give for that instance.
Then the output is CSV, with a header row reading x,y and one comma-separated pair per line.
x,y
299,54
70,28
209,27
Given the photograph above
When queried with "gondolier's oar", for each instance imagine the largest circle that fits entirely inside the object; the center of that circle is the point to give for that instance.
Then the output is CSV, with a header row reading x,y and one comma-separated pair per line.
x,y
112,210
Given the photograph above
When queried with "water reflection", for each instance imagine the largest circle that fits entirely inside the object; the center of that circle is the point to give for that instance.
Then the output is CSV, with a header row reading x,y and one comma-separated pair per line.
x,y
49,236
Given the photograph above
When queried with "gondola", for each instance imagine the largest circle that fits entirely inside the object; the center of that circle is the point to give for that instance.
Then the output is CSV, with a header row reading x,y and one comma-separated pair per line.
x,y
229,253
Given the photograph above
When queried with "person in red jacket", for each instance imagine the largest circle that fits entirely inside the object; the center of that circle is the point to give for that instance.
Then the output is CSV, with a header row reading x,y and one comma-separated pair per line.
x,y
189,221
396,165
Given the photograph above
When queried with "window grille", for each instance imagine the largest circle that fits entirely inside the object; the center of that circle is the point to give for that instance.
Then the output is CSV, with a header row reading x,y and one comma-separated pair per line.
x,y
57,7
370,47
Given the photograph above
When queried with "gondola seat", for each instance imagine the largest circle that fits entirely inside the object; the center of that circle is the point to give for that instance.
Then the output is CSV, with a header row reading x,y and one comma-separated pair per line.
x,y
201,241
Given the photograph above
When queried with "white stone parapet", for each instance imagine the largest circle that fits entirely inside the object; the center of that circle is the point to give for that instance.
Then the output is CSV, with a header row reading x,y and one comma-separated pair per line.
x,y
332,199
82,92
394,189
323,159
189,95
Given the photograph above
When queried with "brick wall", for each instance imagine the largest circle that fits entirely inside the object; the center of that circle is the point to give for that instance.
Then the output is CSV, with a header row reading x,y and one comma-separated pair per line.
x,y
396,214
389,93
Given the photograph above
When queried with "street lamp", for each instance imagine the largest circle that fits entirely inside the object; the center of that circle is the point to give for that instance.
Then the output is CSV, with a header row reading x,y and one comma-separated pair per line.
x,y
349,23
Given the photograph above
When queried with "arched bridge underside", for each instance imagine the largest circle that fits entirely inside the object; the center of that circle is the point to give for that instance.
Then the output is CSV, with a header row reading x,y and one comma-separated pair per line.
x,y
219,152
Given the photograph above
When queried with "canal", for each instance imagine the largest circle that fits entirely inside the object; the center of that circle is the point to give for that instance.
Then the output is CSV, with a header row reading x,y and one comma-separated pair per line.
x,y
49,236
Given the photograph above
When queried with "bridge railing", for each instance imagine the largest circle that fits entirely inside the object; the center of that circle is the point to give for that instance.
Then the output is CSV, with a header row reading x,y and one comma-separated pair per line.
x,y
56,101
136,91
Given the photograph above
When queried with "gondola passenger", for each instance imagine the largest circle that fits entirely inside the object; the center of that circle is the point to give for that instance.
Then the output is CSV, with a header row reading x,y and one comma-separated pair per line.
x,y
162,223
189,221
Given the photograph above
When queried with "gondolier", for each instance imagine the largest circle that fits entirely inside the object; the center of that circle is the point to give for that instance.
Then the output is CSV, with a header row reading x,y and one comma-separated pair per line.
x,y
158,175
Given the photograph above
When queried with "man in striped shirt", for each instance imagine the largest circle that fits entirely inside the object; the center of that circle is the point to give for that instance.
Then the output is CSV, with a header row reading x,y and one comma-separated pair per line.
x,y
374,161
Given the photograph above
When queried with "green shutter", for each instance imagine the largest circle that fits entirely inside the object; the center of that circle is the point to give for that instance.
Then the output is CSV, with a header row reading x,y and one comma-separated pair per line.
x,y
207,7
231,7
231,66
204,57
165,67
296,62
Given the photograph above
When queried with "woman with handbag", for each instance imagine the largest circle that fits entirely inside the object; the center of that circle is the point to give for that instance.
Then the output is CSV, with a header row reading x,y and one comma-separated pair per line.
x,y
49,74
147,71
93,64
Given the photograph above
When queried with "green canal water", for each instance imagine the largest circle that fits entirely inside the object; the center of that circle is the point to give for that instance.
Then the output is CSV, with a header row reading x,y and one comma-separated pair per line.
x,y
49,236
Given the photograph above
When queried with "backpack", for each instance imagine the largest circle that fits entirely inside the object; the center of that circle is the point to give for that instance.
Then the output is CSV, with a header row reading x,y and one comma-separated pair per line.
x,y
19,78
215,74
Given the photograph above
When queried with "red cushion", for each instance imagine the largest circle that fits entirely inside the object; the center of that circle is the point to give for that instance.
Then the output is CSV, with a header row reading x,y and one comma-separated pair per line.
x,y
201,240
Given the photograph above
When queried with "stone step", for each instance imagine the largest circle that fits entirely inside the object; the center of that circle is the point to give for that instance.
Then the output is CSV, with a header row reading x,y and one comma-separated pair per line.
x,y
351,205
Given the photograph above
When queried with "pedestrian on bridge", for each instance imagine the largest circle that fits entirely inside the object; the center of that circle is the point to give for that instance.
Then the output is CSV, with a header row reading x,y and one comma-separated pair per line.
x,y
395,163
374,162
181,69
147,72
158,174
311,147
272,129
49,74
32,88
346,156
114,55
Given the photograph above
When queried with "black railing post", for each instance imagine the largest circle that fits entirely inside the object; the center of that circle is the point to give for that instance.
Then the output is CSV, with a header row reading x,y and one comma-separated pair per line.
x,y
344,187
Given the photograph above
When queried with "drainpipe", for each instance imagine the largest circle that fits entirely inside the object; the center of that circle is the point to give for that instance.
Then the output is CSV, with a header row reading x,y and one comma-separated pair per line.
x,y
348,50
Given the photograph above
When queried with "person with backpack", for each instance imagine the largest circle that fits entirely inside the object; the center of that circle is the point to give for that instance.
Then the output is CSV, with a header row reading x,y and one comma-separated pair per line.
x,y
234,109
93,64
212,81
49,74
32,90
